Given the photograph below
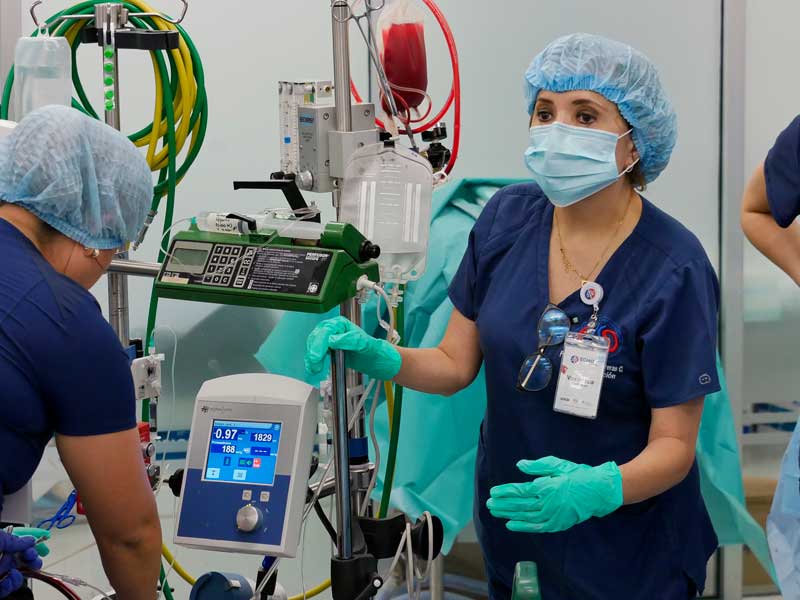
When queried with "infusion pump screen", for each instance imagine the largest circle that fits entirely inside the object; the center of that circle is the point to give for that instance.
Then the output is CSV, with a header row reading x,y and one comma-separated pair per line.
x,y
243,452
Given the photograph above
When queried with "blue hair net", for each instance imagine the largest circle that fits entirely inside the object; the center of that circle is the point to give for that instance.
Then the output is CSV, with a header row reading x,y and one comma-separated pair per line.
x,y
623,75
78,175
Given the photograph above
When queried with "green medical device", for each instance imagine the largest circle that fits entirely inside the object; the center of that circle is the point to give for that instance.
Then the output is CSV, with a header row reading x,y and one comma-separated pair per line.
x,y
268,269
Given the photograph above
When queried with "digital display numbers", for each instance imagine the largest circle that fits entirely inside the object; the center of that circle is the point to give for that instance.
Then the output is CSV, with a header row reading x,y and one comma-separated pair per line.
x,y
243,452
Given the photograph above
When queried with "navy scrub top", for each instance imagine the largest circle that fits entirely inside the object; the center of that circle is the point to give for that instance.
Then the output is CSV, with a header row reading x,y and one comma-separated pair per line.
x,y
782,173
62,367
660,317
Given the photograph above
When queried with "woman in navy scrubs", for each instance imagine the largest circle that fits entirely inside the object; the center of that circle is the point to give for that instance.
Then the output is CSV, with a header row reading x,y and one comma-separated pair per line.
x,y
608,506
772,203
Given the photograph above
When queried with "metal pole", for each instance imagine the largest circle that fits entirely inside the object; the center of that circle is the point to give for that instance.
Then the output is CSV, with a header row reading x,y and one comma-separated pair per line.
x,y
134,267
107,17
437,578
732,179
341,80
341,452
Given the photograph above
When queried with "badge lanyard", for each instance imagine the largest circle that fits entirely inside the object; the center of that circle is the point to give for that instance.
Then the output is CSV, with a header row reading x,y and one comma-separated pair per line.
x,y
583,363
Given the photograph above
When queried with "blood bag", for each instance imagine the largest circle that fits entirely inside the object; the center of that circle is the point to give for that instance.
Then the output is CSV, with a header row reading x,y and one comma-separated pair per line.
x,y
402,45
387,196
42,73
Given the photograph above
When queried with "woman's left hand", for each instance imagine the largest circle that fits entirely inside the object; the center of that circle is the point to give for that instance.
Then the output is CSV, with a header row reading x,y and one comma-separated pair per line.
x,y
562,495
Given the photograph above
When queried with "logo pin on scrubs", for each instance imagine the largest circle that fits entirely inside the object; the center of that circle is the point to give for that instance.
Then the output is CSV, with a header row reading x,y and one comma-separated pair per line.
x,y
591,293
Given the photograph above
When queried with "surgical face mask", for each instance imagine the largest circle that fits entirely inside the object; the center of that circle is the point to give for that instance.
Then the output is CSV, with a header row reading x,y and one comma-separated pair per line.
x,y
571,163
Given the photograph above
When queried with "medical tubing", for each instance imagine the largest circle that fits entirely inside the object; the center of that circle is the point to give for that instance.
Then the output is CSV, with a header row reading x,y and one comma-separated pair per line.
x,y
183,92
394,434
313,592
76,581
168,215
377,466
455,90
327,469
62,588
177,567
165,584
187,84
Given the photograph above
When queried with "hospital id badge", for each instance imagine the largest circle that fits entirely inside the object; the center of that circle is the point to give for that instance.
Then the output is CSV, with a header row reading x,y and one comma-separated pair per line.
x,y
580,379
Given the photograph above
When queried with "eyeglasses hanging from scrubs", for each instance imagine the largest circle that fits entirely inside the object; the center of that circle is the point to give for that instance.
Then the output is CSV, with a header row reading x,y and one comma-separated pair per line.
x,y
537,370
571,163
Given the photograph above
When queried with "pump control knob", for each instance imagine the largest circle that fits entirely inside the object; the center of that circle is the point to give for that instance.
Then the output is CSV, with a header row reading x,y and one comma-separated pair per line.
x,y
369,251
149,450
249,518
305,180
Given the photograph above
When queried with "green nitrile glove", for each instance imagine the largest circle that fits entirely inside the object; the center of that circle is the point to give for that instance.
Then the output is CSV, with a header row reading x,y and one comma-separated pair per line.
x,y
363,353
562,495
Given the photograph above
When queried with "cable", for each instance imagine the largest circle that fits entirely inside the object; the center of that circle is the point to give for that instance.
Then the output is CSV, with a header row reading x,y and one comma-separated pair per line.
x,y
303,557
323,518
377,466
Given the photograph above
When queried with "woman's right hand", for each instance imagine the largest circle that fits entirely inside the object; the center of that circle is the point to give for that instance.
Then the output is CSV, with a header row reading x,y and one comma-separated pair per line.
x,y
375,358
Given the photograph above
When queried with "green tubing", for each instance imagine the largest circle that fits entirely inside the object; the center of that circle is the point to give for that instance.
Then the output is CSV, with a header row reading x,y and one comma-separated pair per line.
x,y
394,437
170,175
172,180
165,584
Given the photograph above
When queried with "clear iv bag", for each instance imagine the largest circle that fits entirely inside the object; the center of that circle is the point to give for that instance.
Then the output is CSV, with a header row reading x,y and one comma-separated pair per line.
x,y
42,74
387,196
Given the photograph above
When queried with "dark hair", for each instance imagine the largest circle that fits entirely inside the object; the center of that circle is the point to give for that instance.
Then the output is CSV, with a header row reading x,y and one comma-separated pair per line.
x,y
636,178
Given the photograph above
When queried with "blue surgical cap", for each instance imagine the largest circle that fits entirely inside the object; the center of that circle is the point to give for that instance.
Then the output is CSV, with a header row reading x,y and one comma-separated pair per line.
x,y
623,75
78,175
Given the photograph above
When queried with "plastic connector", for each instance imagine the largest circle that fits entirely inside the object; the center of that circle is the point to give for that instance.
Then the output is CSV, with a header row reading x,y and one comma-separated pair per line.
x,y
151,215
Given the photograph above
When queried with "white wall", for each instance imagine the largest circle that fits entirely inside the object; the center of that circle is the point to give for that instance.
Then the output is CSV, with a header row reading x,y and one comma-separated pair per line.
x,y
498,40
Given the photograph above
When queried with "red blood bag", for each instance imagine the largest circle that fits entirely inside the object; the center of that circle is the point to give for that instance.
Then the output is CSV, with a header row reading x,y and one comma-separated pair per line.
x,y
402,38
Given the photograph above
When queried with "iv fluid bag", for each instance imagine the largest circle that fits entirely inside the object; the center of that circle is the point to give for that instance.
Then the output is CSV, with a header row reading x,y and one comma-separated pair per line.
x,y
402,38
387,196
42,73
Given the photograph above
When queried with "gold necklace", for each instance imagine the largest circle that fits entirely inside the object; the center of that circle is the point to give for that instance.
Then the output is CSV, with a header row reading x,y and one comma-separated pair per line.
x,y
568,266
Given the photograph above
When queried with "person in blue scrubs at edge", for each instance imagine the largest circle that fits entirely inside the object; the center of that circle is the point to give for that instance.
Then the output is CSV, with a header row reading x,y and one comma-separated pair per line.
x,y
610,506
772,203
73,191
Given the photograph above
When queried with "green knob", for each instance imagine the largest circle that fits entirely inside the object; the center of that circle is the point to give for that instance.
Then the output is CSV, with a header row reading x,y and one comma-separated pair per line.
x,y
108,68
110,95
108,53
110,105
108,81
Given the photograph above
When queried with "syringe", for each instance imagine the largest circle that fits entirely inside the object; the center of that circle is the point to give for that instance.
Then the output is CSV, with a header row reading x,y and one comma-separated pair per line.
x,y
220,222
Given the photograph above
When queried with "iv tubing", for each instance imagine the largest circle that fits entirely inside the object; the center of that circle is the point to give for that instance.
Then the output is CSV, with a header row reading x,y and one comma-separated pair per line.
x,y
394,434
455,90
